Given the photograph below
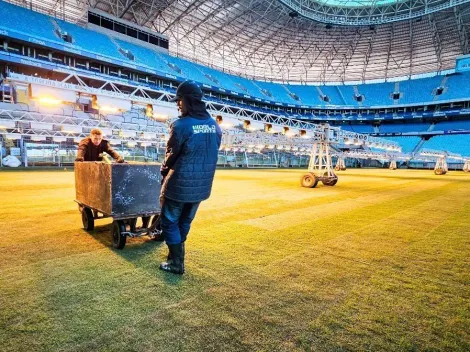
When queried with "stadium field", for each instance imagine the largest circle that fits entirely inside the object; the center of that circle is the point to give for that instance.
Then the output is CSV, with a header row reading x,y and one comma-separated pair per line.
x,y
379,262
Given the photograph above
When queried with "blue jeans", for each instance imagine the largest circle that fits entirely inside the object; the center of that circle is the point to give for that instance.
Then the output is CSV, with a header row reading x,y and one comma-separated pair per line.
x,y
176,218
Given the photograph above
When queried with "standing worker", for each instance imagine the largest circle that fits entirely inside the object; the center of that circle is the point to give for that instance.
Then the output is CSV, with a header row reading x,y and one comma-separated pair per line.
x,y
188,170
91,147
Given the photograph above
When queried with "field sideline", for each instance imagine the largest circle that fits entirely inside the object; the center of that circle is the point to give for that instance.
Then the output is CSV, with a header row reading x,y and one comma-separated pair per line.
x,y
379,262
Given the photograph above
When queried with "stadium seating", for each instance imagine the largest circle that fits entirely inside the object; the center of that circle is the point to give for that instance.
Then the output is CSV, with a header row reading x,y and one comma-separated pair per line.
x,y
188,69
91,40
453,143
278,91
308,94
359,128
347,94
334,95
225,80
377,94
452,125
458,86
27,22
251,88
145,56
419,90
409,127
408,144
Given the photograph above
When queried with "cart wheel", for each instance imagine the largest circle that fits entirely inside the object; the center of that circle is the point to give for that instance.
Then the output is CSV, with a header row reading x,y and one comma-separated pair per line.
x,y
309,180
119,240
88,219
145,221
330,182
159,237
337,168
439,172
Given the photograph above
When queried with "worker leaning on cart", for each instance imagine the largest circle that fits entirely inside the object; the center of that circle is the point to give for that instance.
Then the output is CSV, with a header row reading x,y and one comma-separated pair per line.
x,y
188,170
91,147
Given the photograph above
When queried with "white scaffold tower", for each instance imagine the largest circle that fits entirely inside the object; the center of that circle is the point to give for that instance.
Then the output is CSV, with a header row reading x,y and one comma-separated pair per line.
x,y
393,165
440,168
242,143
320,166
340,164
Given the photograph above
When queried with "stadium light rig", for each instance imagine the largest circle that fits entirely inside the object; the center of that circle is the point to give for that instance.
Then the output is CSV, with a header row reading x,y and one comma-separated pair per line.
x,y
433,153
48,101
108,109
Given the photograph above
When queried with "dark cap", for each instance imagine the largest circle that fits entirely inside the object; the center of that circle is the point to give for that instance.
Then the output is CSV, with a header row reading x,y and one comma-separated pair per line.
x,y
188,88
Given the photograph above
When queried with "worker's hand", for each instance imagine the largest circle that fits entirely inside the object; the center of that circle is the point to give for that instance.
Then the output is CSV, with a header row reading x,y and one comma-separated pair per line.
x,y
121,161
79,159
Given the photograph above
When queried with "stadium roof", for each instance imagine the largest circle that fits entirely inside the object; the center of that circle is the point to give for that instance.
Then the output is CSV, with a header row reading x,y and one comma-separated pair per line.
x,y
278,39
367,12
356,3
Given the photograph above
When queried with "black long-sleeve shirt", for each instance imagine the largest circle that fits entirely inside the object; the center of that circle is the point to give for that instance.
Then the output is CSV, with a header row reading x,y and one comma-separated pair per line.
x,y
90,152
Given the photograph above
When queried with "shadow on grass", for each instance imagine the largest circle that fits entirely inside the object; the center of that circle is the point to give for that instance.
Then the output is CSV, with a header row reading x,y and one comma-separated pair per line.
x,y
138,251
143,256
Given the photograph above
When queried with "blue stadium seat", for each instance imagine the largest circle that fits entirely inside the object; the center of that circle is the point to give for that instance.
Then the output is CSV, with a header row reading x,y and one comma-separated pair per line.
x,y
452,125
91,40
408,144
458,86
377,93
188,69
419,90
278,91
308,94
347,95
334,95
27,22
145,56
409,127
458,143
359,128
225,80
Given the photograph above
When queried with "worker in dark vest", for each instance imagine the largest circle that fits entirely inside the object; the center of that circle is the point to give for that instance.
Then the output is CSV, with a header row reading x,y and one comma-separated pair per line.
x,y
91,147
188,170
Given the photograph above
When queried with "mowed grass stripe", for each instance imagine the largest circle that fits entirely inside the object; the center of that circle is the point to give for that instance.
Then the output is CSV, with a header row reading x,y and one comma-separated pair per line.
x,y
422,296
297,216
340,229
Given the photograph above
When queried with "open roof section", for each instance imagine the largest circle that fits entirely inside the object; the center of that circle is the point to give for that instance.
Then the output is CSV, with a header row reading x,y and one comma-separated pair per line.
x,y
264,39
367,12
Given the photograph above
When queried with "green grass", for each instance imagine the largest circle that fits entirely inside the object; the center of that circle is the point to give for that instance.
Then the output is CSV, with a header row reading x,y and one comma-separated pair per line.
x,y
379,262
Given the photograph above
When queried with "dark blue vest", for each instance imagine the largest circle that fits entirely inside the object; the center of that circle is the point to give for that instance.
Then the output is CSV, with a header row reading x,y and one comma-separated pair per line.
x,y
191,159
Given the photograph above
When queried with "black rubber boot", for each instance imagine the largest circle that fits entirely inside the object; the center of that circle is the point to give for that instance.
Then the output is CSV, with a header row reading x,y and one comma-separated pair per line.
x,y
176,264
168,259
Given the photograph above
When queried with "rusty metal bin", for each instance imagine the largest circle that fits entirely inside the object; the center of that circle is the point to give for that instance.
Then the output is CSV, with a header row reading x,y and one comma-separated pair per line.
x,y
121,191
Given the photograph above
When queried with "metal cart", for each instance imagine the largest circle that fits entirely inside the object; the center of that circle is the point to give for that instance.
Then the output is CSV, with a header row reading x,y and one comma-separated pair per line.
x,y
123,192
